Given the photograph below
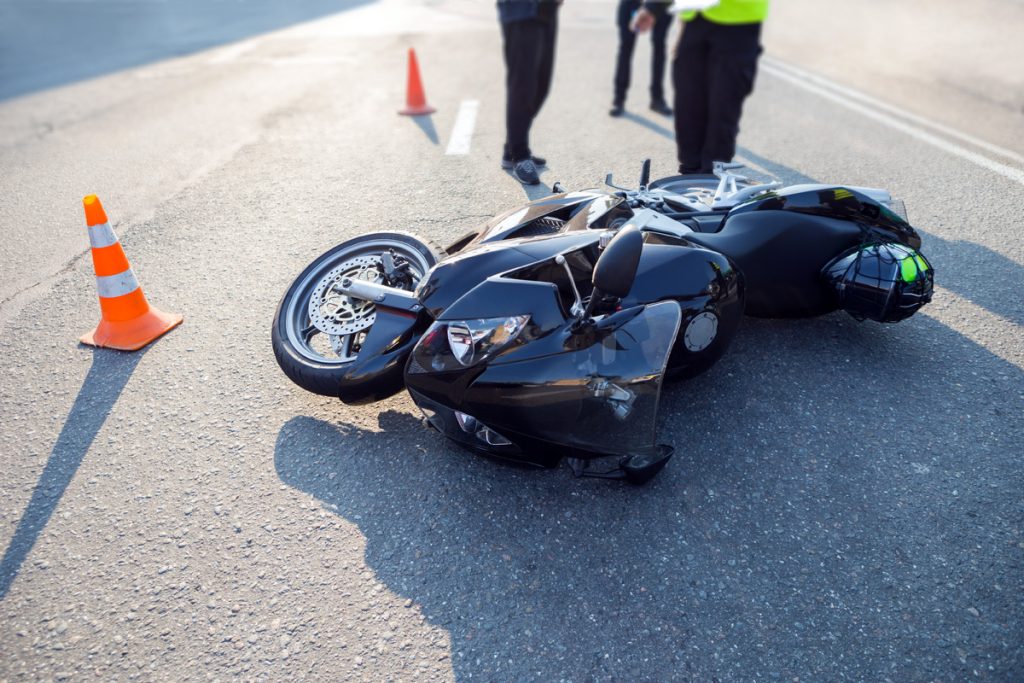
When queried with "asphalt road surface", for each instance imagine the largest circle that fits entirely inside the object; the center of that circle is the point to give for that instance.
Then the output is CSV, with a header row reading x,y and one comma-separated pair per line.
x,y
845,502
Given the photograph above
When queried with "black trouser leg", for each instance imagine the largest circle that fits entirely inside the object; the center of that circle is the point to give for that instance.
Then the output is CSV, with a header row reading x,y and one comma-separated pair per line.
x,y
662,23
627,40
546,66
522,61
690,80
733,66
529,48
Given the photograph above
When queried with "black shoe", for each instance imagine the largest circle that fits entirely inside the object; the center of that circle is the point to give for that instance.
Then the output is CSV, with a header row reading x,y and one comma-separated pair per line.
x,y
661,107
616,110
525,172
693,171
507,164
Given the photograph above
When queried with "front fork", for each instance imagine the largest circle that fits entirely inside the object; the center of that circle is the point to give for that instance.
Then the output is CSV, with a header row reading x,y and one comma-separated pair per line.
x,y
377,372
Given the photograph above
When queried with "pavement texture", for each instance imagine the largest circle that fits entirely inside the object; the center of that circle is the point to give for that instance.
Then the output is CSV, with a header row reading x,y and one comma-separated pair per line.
x,y
845,502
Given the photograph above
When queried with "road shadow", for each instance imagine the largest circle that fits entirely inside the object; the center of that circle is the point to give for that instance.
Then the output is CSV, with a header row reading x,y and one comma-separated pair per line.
x,y
793,534
538,191
108,375
50,43
426,124
650,125
785,174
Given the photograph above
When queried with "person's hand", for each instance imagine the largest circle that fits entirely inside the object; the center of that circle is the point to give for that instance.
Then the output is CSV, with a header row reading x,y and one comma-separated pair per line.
x,y
643,21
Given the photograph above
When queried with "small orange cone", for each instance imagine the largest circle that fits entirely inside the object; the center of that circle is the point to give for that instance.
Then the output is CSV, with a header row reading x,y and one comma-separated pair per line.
x,y
415,99
127,321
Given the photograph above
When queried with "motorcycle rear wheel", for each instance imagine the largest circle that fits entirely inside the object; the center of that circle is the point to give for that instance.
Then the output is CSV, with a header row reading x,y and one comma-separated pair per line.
x,y
317,331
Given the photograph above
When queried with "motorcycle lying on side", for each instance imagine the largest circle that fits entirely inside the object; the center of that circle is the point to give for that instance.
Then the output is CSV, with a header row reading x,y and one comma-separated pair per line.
x,y
547,332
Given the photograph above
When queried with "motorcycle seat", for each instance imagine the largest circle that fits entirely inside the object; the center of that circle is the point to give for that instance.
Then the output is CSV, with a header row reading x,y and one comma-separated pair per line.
x,y
704,223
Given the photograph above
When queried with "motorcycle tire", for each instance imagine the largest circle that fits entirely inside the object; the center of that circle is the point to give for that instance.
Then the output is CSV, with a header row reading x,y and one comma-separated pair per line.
x,y
307,351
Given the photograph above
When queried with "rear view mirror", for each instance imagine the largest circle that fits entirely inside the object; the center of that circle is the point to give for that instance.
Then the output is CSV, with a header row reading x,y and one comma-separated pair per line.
x,y
640,469
616,267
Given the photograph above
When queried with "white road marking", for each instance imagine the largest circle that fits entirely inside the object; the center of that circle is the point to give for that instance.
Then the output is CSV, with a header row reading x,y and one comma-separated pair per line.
x,y
876,110
231,52
879,104
307,60
462,131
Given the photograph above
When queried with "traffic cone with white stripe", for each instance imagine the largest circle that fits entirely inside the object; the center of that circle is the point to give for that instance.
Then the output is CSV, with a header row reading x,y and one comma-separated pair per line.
x,y
127,321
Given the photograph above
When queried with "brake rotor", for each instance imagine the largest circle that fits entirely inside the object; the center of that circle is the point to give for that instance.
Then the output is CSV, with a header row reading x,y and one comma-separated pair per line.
x,y
337,314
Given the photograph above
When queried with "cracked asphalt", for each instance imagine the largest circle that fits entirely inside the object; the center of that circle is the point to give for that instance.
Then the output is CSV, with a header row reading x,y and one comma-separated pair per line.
x,y
845,502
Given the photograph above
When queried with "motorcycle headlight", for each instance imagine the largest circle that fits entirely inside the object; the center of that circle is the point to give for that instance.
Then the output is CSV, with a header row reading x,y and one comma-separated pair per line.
x,y
472,341
461,343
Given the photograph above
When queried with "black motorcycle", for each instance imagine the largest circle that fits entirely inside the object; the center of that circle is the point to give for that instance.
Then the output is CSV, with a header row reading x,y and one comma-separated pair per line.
x,y
547,332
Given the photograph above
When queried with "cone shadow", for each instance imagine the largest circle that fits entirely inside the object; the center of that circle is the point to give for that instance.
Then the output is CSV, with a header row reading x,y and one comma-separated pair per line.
x,y
426,124
107,378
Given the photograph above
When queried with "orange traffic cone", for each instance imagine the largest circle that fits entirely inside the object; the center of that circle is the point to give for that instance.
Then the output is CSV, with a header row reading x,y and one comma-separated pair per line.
x,y
127,322
415,99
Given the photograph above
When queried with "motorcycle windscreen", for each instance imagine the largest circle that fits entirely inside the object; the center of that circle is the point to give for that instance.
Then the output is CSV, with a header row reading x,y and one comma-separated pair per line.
x,y
599,393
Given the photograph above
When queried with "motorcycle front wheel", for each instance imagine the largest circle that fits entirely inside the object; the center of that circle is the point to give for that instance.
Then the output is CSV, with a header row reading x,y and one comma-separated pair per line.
x,y
318,331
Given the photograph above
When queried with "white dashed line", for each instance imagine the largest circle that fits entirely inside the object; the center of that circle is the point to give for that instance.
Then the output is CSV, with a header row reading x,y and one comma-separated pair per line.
x,y
462,131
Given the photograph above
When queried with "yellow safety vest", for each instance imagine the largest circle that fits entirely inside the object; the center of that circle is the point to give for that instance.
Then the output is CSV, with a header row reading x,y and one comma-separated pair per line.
x,y
733,12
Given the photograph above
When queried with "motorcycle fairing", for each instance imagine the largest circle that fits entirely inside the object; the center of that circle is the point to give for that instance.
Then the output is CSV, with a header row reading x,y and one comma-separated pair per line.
x,y
452,278
376,374
585,391
539,217
844,203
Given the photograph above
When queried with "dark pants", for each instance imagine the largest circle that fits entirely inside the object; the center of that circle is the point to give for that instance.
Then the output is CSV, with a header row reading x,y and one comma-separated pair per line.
x,y
627,41
529,65
713,72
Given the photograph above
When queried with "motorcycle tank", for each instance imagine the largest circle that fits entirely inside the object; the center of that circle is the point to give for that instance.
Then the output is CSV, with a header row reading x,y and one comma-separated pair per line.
x,y
558,392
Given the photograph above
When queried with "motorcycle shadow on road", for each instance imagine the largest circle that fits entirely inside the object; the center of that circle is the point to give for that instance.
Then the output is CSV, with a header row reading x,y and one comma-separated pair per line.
x,y
500,557
108,375
800,475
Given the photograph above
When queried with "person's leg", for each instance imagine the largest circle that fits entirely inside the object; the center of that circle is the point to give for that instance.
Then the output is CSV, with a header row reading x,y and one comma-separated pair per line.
x,y
546,42
690,81
521,61
734,54
627,40
662,23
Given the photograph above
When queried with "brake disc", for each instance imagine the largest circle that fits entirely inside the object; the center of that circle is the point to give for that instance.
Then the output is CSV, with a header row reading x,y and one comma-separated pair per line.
x,y
337,314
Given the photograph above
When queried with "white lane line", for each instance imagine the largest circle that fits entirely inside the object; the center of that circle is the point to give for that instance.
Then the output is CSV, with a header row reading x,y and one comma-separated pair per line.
x,y
839,96
879,104
307,60
462,131
232,52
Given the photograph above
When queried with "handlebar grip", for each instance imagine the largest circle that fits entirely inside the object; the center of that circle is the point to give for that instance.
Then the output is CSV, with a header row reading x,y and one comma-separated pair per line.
x,y
645,173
